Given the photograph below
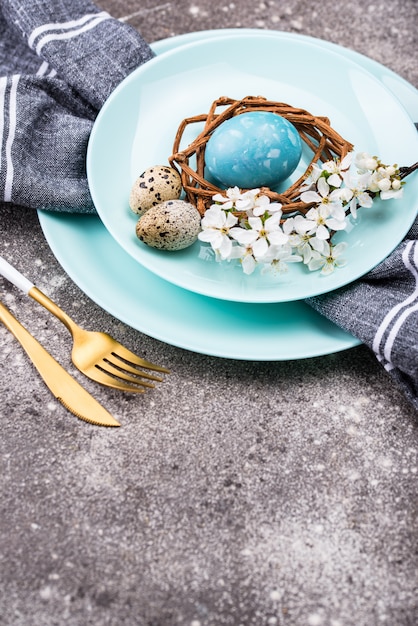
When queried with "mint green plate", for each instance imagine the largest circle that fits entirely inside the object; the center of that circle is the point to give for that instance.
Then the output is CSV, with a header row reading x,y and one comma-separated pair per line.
x,y
137,125
137,297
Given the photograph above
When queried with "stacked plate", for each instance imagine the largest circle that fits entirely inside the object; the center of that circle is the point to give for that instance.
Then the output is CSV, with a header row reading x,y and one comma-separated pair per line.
x,y
201,305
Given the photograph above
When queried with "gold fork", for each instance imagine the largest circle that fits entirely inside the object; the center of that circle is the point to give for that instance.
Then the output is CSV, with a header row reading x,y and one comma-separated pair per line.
x,y
96,354
61,384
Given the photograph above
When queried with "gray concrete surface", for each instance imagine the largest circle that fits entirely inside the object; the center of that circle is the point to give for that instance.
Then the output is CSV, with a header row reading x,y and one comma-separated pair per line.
x,y
236,493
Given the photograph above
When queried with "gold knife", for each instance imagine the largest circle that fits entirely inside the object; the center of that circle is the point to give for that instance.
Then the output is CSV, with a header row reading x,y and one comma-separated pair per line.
x,y
64,387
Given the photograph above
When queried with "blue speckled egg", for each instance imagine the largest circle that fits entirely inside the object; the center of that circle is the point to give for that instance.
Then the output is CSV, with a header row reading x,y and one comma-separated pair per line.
x,y
254,149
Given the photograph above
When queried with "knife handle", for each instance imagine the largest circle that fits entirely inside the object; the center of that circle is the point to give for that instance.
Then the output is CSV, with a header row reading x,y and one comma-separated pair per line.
x,y
24,337
15,277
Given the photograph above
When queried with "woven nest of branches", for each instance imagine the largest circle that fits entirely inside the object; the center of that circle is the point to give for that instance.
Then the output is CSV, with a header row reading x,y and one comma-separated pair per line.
x,y
322,140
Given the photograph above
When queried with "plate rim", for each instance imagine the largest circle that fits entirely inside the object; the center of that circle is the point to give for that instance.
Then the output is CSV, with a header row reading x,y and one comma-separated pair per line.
x,y
269,295
48,221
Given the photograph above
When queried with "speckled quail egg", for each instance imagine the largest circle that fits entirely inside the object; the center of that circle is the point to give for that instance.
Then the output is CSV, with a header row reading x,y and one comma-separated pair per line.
x,y
157,184
171,225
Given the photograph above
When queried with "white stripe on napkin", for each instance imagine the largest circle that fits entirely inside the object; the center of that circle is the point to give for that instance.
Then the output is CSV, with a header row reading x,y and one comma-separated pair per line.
x,y
72,28
43,70
10,138
3,85
403,310
59,26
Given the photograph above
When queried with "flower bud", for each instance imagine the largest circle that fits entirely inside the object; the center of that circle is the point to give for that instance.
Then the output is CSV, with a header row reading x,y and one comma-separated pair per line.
x,y
384,184
371,164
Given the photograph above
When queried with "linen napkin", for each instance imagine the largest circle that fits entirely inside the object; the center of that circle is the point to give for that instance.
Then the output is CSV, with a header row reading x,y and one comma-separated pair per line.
x,y
59,61
381,309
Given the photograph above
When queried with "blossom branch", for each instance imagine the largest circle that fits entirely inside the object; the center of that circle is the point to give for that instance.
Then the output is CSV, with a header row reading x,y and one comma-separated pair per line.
x,y
247,226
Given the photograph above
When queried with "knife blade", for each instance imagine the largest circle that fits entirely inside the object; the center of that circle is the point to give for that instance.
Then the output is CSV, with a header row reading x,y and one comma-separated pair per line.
x,y
63,386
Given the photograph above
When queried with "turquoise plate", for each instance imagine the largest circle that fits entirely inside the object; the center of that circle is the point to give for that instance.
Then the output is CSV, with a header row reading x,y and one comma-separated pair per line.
x,y
136,127
121,286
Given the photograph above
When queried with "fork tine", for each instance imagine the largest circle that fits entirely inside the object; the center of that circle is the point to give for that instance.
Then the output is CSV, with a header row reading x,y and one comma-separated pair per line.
x,y
103,377
113,370
121,365
126,355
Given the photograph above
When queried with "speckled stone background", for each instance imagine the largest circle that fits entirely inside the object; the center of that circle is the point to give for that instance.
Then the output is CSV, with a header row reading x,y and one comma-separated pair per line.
x,y
236,493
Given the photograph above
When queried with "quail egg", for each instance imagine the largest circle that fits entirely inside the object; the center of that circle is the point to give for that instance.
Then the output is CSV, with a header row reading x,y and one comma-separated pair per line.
x,y
170,225
155,185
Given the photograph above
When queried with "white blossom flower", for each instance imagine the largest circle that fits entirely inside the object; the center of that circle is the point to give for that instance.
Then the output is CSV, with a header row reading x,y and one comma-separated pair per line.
x,y
248,200
277,258
245,256
216,225
231,194
299,238
328,259
324,221
335,169
356,193
234,198
364,162
324,196
266,232
331,171
312,178
260,234
263,204
248,263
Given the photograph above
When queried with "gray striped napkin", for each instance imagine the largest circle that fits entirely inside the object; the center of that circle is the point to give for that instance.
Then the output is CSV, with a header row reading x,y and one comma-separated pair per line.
x,y
381,310
59,61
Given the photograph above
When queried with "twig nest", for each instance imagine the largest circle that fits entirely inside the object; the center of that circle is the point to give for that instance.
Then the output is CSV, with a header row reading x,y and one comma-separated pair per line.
x,y
170,225
155,185
319,140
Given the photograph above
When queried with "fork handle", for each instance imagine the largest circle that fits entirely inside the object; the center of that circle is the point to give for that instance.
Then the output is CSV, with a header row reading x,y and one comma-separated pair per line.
x,y
15,277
